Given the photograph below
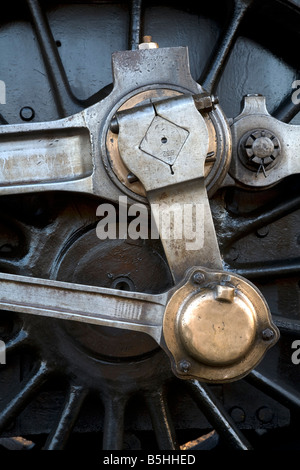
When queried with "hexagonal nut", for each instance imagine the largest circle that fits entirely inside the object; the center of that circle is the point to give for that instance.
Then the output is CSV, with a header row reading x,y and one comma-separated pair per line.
x,y
148,43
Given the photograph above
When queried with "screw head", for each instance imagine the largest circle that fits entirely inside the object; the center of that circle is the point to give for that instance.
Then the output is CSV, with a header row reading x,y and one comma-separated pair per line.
x,y
184,366
268,334
198,278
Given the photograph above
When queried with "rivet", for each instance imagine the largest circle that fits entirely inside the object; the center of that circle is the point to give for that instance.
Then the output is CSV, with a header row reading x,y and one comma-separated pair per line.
x,y
27,113
262,232
265,414
238,414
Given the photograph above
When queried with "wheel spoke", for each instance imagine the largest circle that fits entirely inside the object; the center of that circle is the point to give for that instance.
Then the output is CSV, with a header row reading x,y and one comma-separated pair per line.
x,y
3,120
269,270
231,229
287,110
275,389
113,431
135,24
19,340
161,420
215,67
58,438
217,416
287,325
26,391
206,442
65,102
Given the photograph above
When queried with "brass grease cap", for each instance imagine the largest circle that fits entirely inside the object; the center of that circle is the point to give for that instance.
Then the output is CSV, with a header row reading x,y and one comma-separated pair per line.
x,y
215,326
218,327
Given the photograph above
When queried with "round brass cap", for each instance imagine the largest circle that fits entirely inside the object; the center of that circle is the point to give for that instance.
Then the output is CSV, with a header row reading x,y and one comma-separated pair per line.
x,y
218,327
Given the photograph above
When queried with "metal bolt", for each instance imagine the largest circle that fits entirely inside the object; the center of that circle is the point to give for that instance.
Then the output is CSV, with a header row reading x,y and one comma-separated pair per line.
x,y
263,147
267,334
148,43
27,113
265,414
132,178
184,366
260,149
203,102
215,100
114,126
210,157
224,293
198,278
238,414
262,232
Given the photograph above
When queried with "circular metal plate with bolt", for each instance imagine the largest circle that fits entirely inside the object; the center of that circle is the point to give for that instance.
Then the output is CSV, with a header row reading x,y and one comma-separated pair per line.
x,y
259,150
219,150
217,327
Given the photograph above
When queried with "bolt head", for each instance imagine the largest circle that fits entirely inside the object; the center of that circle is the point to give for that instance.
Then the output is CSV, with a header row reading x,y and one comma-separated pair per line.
x,y
263,147
148,43
114,126
184,366
268,334
198,278
224,293
259,147
203,101
132,178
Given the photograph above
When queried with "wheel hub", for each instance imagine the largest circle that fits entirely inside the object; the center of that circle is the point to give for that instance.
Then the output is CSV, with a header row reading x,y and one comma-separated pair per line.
x,y
127,265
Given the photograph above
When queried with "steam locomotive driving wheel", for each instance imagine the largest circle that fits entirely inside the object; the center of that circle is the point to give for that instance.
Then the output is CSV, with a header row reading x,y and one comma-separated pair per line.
x,y
149,284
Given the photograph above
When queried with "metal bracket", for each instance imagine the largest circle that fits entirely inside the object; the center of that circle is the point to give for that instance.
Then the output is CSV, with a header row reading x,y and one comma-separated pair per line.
x,y
265,150
173,178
